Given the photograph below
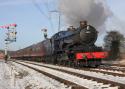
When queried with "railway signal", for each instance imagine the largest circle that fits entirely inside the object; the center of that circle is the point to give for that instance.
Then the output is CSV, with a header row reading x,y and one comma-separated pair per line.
x,y
8,25
45,33
10,35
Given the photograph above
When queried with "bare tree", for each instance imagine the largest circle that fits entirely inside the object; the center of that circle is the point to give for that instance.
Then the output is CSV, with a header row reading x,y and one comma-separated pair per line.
x,y
113,41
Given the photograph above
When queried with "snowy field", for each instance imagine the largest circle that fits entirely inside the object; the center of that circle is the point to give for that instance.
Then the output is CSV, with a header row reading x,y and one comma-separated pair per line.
x,y
15,76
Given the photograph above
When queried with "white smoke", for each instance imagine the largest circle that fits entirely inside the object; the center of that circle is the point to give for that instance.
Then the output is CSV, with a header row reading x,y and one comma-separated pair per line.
x,y
95,12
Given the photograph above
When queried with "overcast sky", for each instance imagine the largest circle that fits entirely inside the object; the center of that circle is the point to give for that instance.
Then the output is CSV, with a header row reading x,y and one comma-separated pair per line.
x,y
30,20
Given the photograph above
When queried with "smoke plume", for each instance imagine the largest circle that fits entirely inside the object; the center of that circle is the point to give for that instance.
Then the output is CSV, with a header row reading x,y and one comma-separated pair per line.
x,y
95,12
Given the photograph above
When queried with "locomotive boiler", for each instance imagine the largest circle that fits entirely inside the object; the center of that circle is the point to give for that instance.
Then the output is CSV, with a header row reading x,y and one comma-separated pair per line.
x,y
74,37
75,46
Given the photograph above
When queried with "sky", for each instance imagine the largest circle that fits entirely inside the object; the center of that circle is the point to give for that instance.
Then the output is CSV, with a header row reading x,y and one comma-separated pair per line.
x,y
33,15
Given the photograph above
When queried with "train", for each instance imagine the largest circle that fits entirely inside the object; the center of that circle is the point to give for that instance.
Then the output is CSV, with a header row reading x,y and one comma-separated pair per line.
x,y
73,47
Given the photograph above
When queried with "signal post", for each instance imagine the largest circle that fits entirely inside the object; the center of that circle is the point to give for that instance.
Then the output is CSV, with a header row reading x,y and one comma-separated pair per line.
x,y
10,36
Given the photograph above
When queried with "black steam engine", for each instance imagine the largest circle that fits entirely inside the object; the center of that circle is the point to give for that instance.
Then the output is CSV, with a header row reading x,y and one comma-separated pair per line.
x,y
74,47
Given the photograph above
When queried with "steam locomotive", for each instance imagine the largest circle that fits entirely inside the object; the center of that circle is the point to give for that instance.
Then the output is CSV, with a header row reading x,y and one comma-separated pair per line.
x,y
73,47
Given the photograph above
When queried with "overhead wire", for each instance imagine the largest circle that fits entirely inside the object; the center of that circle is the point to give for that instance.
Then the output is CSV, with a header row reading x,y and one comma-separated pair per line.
x,y
41,11
47,7
38,7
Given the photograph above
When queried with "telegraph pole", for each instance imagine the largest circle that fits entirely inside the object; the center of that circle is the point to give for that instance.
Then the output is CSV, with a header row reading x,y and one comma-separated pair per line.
x,y
6,47
59,22
59,18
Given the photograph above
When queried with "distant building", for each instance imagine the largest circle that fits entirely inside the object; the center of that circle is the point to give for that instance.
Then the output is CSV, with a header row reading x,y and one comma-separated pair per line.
x,y
1,55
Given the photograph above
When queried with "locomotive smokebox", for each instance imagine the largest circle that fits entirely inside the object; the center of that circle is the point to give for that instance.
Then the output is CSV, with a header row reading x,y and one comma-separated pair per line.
x,y
88,35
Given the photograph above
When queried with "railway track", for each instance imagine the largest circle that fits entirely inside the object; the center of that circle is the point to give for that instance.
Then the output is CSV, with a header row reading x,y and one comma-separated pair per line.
x,y
66,82
112,71
95,79
118,65
109,71
115,67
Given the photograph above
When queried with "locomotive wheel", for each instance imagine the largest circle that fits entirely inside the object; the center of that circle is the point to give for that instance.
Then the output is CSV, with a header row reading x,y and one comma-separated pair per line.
x,y
76,64
70,64
55,59
60,62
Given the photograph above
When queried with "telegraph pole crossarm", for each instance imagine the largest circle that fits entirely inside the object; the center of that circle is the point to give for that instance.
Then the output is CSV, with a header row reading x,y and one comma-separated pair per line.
x,y
59,21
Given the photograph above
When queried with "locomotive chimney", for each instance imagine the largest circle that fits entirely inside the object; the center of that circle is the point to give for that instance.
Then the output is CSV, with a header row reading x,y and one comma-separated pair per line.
x,y
83,24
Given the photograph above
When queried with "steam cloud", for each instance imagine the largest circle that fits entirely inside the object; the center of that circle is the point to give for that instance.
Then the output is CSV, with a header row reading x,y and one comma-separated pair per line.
x,y
95,12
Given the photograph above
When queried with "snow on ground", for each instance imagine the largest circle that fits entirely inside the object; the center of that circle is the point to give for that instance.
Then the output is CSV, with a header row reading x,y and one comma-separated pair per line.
x,y
15,76
5,76
80,81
